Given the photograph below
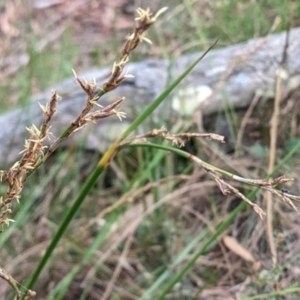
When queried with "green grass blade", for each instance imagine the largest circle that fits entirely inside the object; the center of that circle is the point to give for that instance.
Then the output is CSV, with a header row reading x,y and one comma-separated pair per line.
x,y
61,288
168,273
273,295
101,167
149,110
66,221
213,239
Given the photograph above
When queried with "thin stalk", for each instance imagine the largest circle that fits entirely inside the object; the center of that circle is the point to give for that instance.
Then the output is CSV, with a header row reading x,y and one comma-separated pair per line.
x,y
177,277
102,165
148,111
66,221
291,290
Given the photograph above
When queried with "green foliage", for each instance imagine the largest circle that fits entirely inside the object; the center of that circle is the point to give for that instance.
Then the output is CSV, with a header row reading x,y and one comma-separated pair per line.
x,y
233,21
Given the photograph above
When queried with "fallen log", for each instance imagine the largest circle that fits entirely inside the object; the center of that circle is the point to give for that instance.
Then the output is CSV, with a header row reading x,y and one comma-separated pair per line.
x,y
228,76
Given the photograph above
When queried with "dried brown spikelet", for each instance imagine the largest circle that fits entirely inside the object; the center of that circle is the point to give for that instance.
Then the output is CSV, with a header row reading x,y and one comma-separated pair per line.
x,y
35,152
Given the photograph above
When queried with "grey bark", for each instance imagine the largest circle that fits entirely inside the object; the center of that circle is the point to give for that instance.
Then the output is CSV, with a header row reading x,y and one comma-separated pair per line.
x,y
231,75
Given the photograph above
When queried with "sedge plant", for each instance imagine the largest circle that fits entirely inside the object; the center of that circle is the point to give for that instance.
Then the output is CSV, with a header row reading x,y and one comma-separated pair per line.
x,y
36,153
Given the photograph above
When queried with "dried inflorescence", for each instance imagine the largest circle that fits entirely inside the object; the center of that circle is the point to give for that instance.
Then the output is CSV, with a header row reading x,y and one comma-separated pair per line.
x,y
145,20
217,174
178,139
35,151
269,185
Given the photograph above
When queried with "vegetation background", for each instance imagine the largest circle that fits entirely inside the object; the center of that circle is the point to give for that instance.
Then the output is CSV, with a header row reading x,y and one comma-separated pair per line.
x,y
41,42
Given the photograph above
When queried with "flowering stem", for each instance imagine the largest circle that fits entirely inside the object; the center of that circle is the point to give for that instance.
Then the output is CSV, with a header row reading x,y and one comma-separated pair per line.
x,y
101,166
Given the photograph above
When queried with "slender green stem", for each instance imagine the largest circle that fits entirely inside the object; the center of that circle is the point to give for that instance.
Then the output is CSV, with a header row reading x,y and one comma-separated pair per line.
x,y
285,292
148,111
102,164
181,153
176,278
66,221
161,147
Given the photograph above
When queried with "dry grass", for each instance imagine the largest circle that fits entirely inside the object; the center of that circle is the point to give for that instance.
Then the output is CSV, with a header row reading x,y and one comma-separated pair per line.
x,y
159,215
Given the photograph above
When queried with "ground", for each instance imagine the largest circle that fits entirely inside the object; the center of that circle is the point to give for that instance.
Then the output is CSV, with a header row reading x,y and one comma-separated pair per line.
x,y
132,250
